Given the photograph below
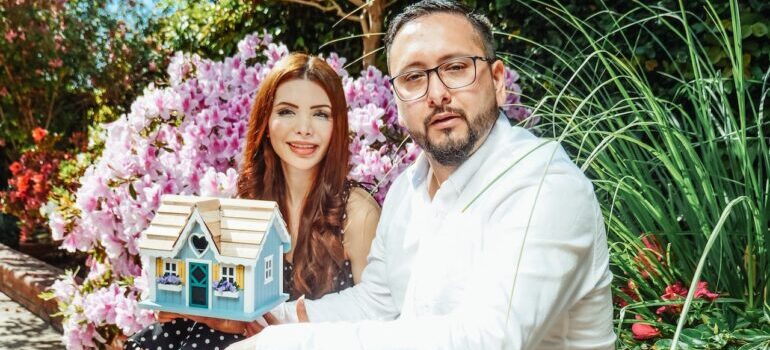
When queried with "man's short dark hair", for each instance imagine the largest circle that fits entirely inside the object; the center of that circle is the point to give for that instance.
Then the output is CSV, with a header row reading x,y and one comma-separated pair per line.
x,y
428,7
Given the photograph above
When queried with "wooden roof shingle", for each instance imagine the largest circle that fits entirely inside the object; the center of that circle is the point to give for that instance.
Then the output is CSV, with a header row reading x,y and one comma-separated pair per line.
x,y
237,226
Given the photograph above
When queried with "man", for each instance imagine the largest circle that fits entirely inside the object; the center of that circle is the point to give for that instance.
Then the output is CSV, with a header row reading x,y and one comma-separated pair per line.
x,y
493,239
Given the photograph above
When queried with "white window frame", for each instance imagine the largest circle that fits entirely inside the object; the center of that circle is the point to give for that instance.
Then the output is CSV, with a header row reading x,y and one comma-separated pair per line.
x,y
230,276
170,267
268,269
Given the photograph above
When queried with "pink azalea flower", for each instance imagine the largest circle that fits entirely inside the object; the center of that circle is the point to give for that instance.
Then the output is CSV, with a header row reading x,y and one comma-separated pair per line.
x,y
55,63
10,35
100,306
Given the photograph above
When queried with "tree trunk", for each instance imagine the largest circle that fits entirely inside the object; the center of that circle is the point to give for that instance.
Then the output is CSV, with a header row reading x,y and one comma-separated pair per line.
x,y
371,25
371,19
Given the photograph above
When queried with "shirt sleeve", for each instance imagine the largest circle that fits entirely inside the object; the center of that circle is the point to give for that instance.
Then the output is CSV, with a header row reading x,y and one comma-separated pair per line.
x,y
538,262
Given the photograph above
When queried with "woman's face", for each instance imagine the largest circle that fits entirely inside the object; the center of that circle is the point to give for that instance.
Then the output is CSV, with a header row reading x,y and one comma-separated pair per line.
x,y
300,124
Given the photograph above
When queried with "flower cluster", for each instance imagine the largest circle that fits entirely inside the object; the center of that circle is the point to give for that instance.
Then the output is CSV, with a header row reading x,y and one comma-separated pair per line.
x,y
648,263
169,278
676,292
380,148
187,138
32,178
88,314
513,106
224,285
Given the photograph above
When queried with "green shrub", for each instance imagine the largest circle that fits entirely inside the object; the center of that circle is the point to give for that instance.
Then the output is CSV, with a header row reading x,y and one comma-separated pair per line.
x,y
681,172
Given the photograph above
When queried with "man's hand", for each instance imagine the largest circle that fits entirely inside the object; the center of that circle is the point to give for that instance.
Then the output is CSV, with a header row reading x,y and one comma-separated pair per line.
x,y
301,310
254,328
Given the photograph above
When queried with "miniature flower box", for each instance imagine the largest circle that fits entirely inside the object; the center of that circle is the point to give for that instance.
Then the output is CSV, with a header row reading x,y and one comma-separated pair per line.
x,y
170,282
227,289
226,294
170,287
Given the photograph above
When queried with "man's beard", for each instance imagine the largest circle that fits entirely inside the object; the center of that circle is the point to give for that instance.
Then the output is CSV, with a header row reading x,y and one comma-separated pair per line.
x,y
454,152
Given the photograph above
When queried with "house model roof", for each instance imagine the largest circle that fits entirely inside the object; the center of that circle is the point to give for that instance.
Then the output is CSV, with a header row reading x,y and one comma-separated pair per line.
x,y
237,226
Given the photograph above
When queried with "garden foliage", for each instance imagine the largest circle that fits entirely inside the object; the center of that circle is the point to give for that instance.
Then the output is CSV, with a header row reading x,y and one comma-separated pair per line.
x,y
682,177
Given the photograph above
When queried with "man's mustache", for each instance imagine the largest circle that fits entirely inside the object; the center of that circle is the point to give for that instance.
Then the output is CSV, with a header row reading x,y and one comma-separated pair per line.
x,y
445,109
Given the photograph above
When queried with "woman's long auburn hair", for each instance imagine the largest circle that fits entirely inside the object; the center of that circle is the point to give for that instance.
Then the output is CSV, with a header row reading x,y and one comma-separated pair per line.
x,y
318,251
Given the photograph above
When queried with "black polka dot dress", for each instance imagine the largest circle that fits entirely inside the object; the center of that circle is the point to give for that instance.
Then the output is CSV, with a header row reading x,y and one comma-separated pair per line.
x,y
181,334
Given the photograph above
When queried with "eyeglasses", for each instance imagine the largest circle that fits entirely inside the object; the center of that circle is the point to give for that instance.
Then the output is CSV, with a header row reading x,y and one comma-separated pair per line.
x,y
454,74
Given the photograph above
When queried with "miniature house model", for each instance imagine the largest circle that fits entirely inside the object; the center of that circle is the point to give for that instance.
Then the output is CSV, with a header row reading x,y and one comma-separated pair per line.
x,y
215,257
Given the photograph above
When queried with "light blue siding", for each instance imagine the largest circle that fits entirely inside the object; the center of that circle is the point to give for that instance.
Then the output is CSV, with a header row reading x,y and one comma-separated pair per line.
x,y
265,293
169,298
229,304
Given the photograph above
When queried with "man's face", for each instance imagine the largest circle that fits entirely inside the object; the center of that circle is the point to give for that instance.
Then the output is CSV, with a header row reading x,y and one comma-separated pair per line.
x,y
449,124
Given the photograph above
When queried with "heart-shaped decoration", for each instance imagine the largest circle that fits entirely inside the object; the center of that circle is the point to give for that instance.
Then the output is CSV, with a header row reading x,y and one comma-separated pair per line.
x,y
199,243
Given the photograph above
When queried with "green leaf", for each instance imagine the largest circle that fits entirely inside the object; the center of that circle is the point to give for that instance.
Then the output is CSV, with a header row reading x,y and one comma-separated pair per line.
x,y
751,335
757,345
759,29
665,344
745,31
695,338
132,191
715,54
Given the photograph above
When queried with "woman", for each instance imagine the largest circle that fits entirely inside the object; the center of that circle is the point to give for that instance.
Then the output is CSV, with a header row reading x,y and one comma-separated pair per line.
x,y
297,155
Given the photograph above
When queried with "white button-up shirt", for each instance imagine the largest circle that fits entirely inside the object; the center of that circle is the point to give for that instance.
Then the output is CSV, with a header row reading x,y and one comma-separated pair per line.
x,y
510,253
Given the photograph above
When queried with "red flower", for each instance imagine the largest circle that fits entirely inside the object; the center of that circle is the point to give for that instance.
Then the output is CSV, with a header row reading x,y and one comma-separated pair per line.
x,y
642,259
39,186
644,331
38,134
629,290
22,184
15,168
677,291
674,291
702,292
651,242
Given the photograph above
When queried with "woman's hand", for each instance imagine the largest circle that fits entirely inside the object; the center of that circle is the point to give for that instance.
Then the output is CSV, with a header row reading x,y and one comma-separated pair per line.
x,y
222,325
165,317
118,342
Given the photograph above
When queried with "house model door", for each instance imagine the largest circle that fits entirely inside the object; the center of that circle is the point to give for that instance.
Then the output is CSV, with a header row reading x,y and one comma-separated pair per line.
x,y
198,280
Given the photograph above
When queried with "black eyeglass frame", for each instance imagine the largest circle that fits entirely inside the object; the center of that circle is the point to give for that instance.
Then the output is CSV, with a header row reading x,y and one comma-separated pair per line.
x,y
435,69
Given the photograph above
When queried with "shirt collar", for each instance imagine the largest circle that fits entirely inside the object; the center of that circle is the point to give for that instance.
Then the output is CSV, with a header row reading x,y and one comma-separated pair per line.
x,y
465,172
